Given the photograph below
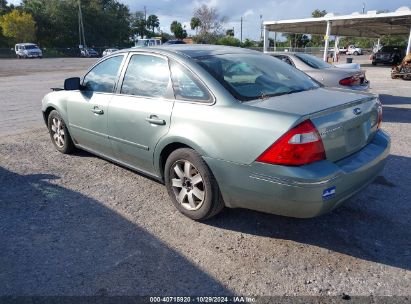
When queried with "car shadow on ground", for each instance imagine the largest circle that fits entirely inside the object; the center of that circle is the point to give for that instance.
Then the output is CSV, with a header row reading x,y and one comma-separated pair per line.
x,y
391,113
373,225
55,241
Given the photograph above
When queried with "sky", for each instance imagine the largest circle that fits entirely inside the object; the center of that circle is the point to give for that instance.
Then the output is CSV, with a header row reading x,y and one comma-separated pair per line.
x,y
251,10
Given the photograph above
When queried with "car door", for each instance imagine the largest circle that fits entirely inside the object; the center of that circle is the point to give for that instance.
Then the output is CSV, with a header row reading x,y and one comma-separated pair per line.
x,y
140,112
87,108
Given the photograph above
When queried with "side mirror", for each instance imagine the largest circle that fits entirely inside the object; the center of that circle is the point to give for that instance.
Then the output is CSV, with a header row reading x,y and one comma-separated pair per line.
x,y
72,84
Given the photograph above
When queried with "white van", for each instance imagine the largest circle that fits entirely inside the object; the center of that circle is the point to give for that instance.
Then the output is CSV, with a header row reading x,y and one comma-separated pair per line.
x,y
27,50
147,42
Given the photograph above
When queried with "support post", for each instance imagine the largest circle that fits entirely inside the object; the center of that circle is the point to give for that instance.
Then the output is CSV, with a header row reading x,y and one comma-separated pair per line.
x,y
275,41
327,40
409,43
337,40
266,41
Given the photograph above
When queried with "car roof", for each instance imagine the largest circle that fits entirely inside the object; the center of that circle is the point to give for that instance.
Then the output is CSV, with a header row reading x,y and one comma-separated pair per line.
x,y
194,50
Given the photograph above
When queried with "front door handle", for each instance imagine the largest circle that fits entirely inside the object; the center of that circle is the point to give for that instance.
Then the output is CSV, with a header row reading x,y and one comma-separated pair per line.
x,y
154,120
97,111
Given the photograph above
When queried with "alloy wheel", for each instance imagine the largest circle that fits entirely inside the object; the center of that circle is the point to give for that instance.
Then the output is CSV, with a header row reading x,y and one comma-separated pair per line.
x,y
187,184
57,130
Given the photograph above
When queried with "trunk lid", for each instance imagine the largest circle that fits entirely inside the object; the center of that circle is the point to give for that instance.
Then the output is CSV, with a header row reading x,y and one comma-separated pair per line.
x,y
346,121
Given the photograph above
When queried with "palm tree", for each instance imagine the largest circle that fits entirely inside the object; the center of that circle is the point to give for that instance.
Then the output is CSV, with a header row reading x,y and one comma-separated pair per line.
x,y
153,22
195,23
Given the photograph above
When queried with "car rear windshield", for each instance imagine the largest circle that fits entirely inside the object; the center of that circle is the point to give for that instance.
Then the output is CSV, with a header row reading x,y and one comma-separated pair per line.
x,y
249,76
389,48
313,61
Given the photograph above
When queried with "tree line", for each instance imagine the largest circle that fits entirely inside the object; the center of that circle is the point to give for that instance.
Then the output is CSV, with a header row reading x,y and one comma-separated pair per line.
x,y
54,23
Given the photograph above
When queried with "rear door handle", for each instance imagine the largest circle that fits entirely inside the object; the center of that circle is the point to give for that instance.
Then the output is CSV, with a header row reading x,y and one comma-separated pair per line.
x,y
97,111
154,120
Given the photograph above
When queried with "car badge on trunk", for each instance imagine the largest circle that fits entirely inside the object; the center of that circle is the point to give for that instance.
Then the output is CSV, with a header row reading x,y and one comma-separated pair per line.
x,y
357,111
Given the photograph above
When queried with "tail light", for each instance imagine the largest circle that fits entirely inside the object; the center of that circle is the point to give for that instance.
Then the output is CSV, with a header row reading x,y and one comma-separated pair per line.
x,y
299,146
351,81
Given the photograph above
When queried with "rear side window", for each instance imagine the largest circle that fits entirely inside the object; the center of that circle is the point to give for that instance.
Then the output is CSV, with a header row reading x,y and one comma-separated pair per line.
x,y
312,61
186,86
286,59
103,77
147,76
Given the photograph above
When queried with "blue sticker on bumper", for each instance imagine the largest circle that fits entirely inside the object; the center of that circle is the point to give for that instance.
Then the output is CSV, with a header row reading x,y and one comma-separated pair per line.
x,y
328,193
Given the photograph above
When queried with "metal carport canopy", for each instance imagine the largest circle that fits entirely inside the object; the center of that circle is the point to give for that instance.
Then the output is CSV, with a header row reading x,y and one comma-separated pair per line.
x,y
371,25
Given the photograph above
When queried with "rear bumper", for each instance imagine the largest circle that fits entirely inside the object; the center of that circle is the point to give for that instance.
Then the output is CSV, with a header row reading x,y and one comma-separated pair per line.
x,y
305,191
384,61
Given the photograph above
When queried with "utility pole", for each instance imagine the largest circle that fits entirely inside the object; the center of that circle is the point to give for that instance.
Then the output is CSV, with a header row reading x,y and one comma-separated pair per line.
x,y
145,13
363,7
81,26
241,31
261,27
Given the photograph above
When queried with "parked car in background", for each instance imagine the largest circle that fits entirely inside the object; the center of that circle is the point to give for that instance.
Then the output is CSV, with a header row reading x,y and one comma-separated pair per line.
x,y
89,52
176,41
109,52
389,55
28,50
351,50
147,42
325,73
223,126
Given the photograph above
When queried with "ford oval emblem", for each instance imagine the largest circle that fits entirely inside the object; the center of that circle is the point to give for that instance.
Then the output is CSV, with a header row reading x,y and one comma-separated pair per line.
x,y
357,111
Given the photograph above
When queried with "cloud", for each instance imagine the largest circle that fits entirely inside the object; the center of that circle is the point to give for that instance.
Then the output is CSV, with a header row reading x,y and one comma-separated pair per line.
x,y
248,12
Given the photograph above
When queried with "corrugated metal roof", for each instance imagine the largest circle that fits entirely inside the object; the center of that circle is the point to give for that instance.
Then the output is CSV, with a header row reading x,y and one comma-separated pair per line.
x,y
370,24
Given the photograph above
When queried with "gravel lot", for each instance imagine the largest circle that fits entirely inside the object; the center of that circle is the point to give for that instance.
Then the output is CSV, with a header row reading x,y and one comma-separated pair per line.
x,y
79,225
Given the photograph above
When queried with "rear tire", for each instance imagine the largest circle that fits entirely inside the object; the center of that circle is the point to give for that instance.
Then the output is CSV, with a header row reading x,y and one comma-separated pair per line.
x,y
59,133
374,63
191,185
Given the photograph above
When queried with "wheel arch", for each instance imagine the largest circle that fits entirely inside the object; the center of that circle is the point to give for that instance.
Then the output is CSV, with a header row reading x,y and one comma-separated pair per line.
x,y
165,148
54,101
47,112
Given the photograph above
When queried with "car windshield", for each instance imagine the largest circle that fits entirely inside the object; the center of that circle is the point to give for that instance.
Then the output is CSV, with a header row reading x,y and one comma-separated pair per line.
x,y
31,47
313,61
249,76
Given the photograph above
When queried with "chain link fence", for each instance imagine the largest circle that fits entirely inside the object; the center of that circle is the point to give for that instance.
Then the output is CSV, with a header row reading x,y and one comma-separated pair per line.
x,y
51,52
75,52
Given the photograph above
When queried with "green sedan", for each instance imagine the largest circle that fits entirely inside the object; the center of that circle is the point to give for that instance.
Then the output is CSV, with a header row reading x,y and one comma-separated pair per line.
x,y
223,126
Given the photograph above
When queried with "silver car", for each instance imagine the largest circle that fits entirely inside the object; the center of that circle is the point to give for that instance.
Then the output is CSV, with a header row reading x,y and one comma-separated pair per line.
x,y
325,73
223,126
109,52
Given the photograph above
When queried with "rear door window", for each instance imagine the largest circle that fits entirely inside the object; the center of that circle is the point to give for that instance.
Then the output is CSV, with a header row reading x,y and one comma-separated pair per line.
x,y
147,76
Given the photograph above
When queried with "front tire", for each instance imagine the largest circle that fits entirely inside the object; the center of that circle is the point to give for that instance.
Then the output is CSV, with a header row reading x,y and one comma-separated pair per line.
x,y
191,185
59,133
355,53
